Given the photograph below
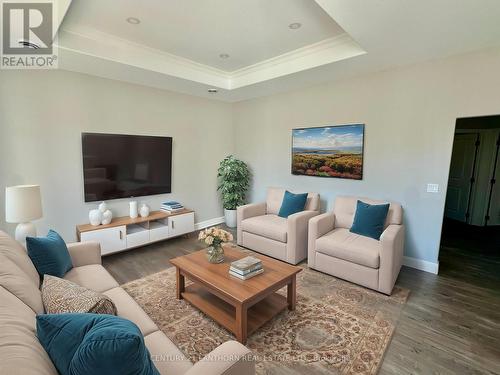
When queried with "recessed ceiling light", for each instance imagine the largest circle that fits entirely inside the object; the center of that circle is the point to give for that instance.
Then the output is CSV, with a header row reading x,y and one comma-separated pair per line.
x,y
224,56
212,91
295,25
133,20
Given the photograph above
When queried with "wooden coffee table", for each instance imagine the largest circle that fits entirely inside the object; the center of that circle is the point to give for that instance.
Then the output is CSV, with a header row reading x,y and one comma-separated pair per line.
x,y
241,306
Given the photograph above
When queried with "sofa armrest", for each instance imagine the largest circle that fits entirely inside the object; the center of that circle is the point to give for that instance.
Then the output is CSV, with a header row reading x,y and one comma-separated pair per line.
x,y
391,256
297,227
84,253
245,212
318,227
230,358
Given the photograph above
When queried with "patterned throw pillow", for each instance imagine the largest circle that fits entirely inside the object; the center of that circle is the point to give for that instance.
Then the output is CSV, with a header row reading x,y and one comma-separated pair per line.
x,y
63,296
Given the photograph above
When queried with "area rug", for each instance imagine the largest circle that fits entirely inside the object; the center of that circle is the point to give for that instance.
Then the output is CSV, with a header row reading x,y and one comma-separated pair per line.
x,y
337,327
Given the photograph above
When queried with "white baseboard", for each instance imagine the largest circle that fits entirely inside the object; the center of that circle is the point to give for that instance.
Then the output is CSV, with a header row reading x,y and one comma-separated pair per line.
x,y
422,265
209,223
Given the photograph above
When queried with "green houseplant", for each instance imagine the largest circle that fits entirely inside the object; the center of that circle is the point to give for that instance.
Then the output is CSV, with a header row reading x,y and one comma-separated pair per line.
x,y
234,179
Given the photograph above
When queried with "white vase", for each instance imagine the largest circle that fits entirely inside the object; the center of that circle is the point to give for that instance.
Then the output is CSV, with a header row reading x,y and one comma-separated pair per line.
x,y
133,210
144,210
230,216
103,207
95,217
106,217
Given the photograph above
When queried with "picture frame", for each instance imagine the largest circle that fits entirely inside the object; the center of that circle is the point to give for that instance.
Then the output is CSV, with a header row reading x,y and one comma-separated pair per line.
x,y
335,151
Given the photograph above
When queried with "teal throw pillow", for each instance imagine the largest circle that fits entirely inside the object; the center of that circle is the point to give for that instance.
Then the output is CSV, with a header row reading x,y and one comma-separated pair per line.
x,y
85,344
369,219
292,203
49,254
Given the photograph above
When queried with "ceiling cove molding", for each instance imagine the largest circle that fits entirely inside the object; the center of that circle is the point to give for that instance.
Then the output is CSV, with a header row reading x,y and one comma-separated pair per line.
x,y
327,51
108,47
103,46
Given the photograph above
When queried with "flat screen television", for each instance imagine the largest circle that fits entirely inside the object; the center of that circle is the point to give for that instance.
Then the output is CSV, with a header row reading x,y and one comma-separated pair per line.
x,y
123,166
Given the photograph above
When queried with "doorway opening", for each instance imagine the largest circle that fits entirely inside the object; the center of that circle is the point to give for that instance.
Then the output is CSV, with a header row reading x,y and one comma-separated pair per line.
x,y
470,241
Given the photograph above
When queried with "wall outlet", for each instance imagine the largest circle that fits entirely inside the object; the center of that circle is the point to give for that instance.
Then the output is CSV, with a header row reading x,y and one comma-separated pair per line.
x,y
433,188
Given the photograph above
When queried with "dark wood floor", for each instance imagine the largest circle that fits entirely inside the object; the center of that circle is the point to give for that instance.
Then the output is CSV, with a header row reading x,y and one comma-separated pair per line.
x,y
450,324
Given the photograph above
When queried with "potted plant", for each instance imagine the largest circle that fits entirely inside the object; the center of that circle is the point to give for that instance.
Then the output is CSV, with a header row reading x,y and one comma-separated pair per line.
x,y
234,179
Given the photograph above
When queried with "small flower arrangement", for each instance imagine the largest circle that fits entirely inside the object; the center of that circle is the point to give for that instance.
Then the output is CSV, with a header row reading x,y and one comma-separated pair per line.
x,y
214,237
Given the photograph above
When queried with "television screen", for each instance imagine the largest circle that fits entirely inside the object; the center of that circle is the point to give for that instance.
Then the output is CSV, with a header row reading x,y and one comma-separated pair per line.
x,y
123,166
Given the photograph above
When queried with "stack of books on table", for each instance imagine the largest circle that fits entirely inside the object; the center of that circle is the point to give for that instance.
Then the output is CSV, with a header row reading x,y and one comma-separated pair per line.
x,y
171,206
246,268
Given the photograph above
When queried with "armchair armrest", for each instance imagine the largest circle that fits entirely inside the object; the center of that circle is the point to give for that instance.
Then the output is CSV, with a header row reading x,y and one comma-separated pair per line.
x,y
230,358
318,227
297,227
84,253
251,210
245,212
391,256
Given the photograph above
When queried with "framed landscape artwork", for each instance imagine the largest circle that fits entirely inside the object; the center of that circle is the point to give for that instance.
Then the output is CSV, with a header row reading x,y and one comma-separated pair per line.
x,y
329,151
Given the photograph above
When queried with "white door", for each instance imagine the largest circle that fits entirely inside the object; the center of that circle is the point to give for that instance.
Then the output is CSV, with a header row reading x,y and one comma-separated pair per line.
x,y
461,172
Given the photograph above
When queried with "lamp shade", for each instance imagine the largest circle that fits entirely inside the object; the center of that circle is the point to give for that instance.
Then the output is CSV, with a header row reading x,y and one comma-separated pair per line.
x,y
23,203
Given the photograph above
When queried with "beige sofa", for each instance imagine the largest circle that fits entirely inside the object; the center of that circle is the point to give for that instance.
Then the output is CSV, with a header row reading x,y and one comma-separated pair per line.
x,y
20,302
333,249
261,229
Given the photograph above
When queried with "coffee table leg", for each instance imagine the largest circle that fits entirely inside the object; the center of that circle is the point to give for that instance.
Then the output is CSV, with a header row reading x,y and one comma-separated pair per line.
x,y
241,324
292,293
180,284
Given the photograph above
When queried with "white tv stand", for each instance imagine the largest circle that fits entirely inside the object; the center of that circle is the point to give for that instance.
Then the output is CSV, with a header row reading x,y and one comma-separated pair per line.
x,y
125,233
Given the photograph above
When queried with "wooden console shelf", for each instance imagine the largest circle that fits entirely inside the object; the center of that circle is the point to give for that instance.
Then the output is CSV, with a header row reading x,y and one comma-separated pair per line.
x,y
126,220
125,233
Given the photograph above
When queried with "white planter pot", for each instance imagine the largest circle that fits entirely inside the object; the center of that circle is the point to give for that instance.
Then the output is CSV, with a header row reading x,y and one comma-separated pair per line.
x,y
230,216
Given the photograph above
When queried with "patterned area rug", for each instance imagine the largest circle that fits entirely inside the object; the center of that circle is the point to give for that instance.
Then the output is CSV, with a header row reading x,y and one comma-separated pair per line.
x,y
337,328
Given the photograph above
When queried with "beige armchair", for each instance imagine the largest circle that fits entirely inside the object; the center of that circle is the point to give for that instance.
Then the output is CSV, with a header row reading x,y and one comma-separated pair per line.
x,y
333,249
261,229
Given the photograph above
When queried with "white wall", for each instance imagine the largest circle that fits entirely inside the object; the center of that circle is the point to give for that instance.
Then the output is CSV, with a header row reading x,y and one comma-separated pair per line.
x,y
410,116
42,115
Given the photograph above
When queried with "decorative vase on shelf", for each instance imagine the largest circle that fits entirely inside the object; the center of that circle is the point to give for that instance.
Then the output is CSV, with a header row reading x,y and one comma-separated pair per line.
x,y
133,209
106,217
103,207
95,217
215,254
144,210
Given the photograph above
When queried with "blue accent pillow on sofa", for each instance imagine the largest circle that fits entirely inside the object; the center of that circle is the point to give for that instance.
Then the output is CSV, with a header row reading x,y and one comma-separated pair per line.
x,y
292,203
369,219
83,344
49,254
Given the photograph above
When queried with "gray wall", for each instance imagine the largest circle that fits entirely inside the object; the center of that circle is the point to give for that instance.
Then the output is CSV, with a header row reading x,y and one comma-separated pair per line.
x,y
42,115
410,116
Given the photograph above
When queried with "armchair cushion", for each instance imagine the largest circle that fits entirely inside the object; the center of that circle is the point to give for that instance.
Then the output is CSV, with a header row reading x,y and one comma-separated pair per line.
x,y
292,203
269,226
341,243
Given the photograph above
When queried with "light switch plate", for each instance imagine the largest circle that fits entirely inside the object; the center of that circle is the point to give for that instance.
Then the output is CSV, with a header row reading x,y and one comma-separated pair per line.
x,y
433,188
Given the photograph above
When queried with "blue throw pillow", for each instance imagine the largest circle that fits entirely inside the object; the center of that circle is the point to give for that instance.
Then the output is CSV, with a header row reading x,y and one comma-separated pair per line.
x,y
49,254
84,344
292,203
369,219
